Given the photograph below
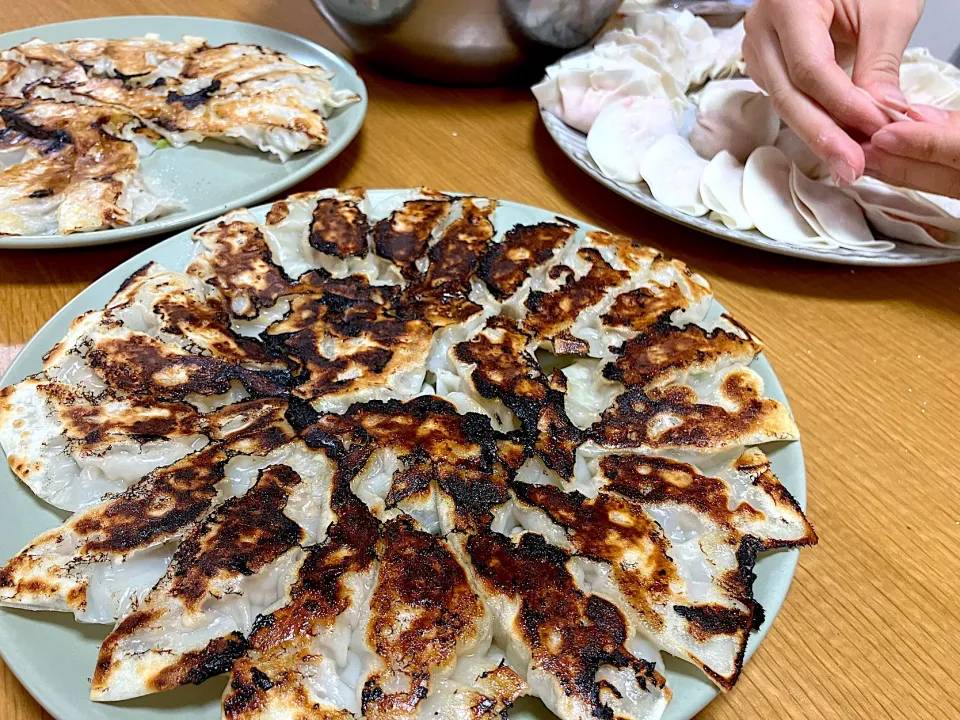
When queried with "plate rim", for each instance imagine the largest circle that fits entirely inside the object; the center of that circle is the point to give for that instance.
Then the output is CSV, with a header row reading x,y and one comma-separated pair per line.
x,y
552,123
320,156
25,363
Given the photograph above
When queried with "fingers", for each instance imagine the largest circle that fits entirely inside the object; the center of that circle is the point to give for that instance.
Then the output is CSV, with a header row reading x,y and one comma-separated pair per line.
x,y
804,33
929,142
767,66
916,174
884,34
924,155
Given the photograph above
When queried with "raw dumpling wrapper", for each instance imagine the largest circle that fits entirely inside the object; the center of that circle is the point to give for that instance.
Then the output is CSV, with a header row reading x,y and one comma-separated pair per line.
x,y
767,197
925,80
800,154
673,170
907,215
832,214
734,116
721,189
729,55
578,88
624,132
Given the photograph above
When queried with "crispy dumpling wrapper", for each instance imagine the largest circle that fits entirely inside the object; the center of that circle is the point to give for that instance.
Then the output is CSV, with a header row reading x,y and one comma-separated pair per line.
x,y
72,452
400,460
104,558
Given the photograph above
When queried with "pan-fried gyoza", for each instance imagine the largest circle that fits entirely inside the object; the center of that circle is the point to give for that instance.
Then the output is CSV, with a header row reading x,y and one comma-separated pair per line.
x,y
78,117
394,460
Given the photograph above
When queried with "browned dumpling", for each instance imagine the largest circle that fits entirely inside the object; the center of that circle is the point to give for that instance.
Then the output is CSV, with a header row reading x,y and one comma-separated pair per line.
x,y
388,461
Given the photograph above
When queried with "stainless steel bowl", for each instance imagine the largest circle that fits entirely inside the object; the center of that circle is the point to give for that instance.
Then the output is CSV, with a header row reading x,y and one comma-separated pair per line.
x,y
465,41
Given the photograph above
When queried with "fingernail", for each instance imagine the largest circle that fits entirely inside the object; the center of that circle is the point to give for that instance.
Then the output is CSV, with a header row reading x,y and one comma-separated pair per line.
x,y
886,140
842,172
927,113
896,101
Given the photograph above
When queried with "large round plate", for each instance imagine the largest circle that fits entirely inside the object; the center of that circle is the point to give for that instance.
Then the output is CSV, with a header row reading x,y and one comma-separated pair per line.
x,y
574,145
53,656
213,177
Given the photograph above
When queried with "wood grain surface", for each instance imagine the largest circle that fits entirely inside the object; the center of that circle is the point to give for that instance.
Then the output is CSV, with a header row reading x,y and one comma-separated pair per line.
x,y
869,358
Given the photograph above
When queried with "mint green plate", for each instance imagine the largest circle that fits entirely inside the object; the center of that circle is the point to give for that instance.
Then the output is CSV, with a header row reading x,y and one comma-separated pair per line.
x,y
213,177
54,657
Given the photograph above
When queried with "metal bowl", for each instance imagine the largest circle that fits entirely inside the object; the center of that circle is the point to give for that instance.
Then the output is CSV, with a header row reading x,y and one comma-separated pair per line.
x,y
465,41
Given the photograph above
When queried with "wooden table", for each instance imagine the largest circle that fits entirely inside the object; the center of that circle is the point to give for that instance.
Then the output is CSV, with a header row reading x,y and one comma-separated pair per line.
x,y
869,358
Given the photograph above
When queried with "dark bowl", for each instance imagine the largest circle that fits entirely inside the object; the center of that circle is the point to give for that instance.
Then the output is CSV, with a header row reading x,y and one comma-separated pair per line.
x,y
465,41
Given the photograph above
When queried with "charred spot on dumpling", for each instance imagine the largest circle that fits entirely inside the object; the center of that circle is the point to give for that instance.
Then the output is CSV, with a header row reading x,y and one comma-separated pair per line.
x,y
632,255
354,294
319,593
342,345
756,464
673,416
243,535
434,443
192,668
649,478
157,507
456,256
192,101
198,666
200,318
570,635
422,608
665,351
240,265
507,264
612,529
163,503
95,426
403,236
278,212
708,621
440,305
269,673
18,124
506,371
640,309
440,295
139,364
550,314
339,227
659,480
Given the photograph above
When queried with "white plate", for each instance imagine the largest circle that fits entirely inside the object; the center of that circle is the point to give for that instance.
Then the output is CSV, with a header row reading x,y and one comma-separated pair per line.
x,y
213,177
53,656
574,145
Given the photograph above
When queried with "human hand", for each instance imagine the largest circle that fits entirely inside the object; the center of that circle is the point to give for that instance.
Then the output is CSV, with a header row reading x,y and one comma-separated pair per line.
x,y
923,155
796,51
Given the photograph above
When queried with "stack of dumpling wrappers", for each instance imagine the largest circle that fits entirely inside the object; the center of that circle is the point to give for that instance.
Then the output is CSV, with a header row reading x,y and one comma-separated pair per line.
x,y
411,458
662,100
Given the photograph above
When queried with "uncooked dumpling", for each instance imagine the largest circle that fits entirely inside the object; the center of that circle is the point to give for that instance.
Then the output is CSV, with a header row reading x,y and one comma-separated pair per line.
x,y
577,96
925,80
766,195
721,189
700,45
906,214
683,38
673,170
624,131
800,154
832,214
729,55
734,117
